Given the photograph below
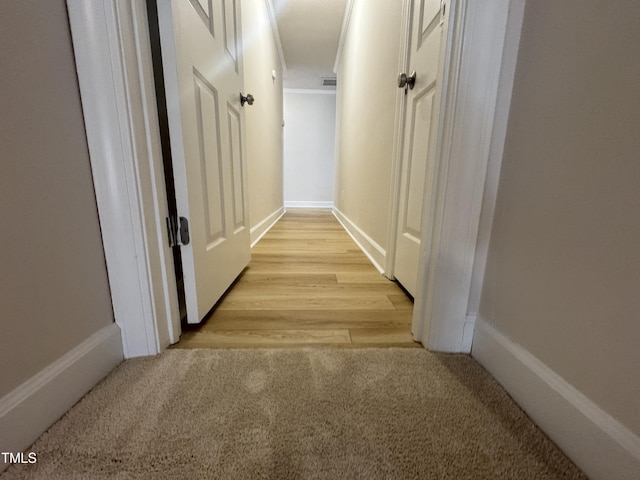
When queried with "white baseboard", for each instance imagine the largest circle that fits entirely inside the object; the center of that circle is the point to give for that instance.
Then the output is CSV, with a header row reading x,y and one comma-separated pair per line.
x,y
30,409
374,252
599,444
258,231
301,204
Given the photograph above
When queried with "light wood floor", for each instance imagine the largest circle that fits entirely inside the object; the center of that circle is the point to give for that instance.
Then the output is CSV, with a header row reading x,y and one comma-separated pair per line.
x,y
307,284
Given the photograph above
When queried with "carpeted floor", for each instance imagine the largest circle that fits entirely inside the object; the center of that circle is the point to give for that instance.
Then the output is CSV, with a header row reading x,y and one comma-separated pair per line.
x,y
296,414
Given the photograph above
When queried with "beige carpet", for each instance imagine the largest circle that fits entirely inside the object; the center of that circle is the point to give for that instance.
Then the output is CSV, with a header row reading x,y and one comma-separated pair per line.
x,y
297,414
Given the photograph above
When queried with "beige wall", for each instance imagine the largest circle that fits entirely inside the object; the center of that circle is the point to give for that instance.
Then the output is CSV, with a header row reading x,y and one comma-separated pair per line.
x,y
366,103
53,279
563,271
264,117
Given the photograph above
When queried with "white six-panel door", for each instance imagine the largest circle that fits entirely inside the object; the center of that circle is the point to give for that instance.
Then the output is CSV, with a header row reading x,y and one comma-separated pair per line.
x,y
428,30
201,55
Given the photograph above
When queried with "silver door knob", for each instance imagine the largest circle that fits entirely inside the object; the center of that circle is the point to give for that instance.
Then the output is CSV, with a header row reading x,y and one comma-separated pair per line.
x,y
246,99
407,81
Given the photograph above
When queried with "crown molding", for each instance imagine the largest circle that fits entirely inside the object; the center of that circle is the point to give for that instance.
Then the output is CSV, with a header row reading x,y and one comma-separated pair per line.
x,y
343,33
276,33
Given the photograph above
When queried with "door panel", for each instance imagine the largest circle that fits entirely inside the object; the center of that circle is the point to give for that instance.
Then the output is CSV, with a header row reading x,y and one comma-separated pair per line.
x,y
230,33
235,141
429,18
420,122
426,52
206,125
204,8
210,159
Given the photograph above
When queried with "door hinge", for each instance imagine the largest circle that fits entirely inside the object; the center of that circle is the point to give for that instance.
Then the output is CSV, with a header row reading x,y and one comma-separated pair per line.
x,y
178,231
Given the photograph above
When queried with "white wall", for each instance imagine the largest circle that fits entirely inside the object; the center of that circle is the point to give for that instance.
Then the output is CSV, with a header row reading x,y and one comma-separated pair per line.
x,y
309,148
366,105
263,120
560,302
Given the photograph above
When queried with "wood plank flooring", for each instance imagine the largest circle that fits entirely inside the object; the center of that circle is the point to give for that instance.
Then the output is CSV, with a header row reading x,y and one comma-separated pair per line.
x,y
308,284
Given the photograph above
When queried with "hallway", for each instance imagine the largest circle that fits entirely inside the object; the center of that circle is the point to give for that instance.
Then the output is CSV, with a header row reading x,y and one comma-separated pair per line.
x,y
308,283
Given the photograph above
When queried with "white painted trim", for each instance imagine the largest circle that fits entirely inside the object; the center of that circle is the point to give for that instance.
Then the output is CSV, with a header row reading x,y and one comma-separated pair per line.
x,y
310,204
346,20
309,91
474,53
30,409
374,252
111,45
496,149
598,443
398,142
273,20
258,231
141,97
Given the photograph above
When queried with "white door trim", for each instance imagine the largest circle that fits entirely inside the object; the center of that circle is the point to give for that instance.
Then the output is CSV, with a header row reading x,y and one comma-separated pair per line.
x,y
113,60
496,150
473,65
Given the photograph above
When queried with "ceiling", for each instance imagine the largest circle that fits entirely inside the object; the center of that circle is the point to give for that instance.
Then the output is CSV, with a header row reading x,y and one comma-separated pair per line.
x,y
309,32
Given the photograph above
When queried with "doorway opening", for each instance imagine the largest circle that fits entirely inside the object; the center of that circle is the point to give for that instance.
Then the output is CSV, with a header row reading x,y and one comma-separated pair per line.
x,y
124,145
206,87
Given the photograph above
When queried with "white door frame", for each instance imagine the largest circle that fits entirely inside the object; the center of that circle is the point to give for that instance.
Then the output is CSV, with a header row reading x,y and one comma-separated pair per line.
x,y
115,74
452,261
113,60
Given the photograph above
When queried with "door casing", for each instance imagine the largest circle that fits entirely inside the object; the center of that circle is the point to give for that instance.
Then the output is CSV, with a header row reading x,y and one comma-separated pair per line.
x,y
115,74
113,60
451,265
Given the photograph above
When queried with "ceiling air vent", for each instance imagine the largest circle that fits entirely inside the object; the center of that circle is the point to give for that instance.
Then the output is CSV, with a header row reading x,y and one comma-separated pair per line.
x,y
328,81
